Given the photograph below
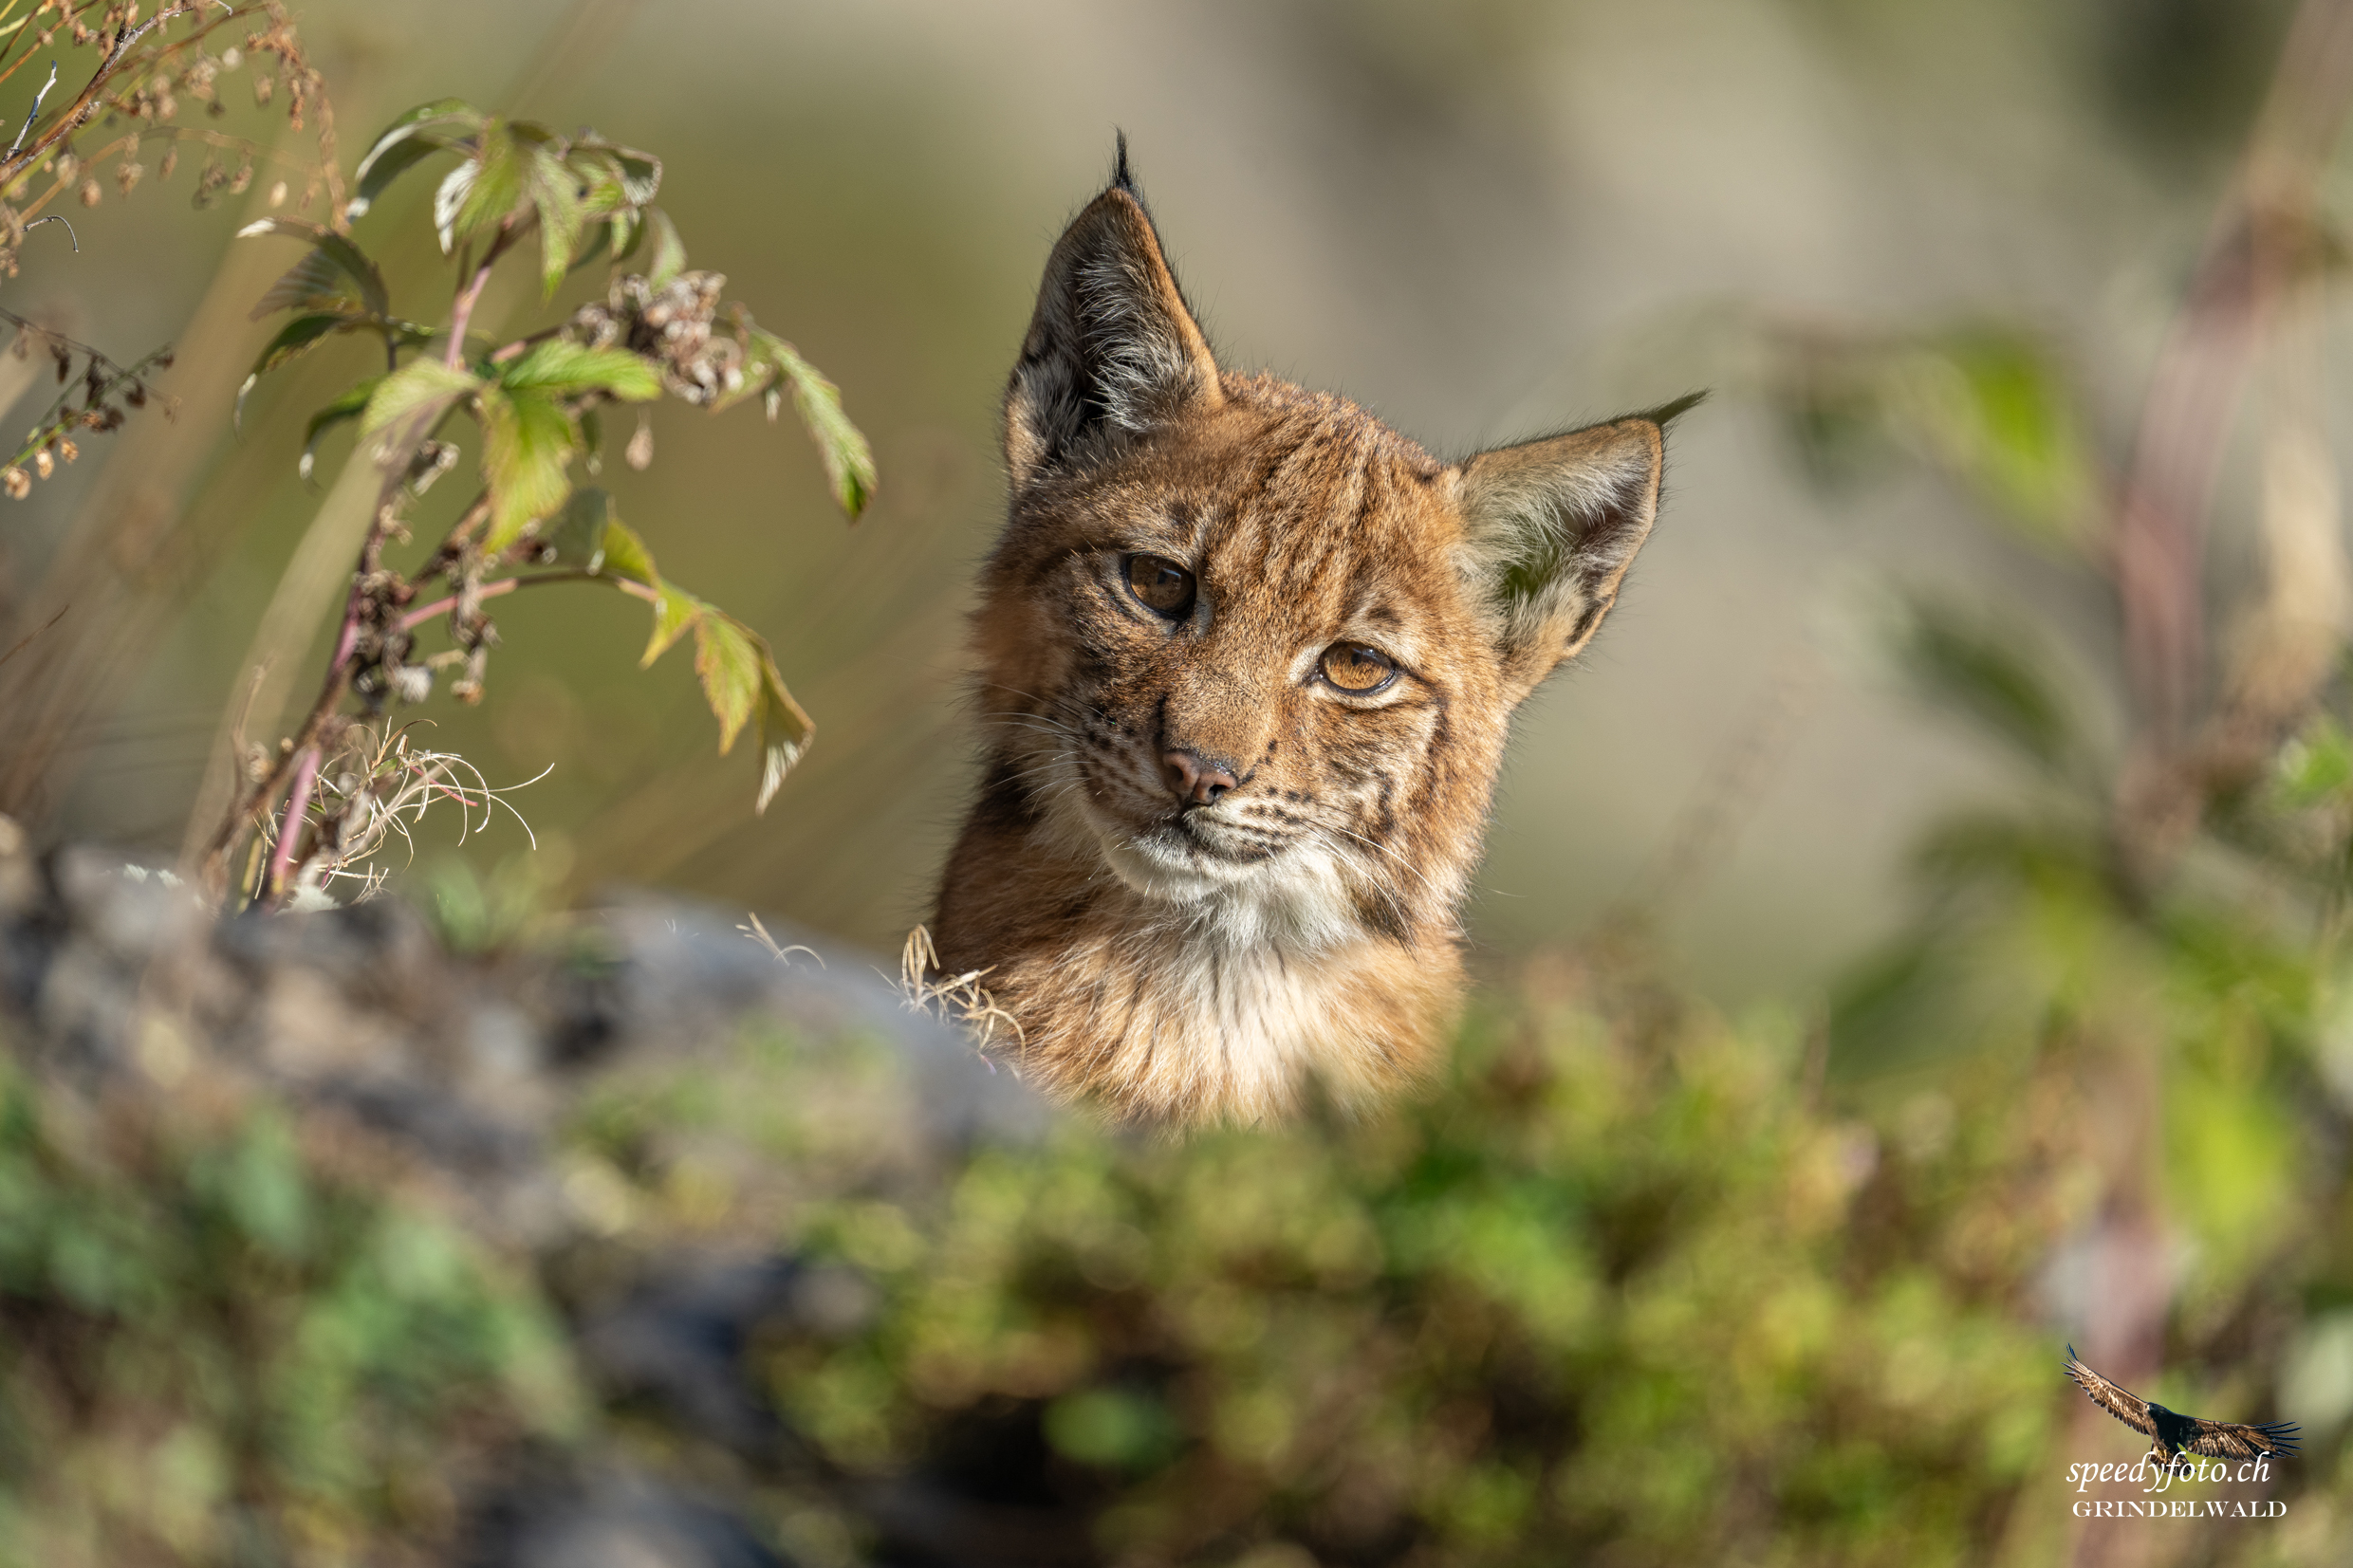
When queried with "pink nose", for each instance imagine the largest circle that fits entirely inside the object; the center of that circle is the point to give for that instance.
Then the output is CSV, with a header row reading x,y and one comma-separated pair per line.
x,y
1193,777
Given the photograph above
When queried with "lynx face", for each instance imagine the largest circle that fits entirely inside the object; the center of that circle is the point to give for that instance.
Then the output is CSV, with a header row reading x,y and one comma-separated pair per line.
x,y
1248,659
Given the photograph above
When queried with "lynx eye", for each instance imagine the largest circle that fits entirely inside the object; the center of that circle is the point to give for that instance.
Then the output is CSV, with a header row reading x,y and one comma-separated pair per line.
x,y
1160,585
1357,670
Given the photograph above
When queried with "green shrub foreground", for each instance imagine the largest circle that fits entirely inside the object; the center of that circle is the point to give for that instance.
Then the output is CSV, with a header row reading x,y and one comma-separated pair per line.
x,y
1639,1284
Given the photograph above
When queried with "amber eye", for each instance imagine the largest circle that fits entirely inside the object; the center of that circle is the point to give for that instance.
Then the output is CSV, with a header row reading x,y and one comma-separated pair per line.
x,y
1357,670
1160,585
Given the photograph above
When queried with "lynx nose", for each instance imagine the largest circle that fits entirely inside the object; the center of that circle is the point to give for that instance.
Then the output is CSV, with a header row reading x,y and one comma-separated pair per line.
x,y
1193,777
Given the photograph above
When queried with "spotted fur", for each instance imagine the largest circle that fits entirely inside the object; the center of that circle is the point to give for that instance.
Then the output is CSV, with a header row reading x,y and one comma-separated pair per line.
x,y
1200,874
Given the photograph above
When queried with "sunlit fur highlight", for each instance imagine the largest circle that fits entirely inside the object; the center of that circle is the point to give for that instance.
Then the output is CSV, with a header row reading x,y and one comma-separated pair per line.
x,y
1187,962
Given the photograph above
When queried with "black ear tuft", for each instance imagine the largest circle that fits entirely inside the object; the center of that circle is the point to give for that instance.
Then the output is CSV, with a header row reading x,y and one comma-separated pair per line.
x,y
1666,414
1112,352
1120,179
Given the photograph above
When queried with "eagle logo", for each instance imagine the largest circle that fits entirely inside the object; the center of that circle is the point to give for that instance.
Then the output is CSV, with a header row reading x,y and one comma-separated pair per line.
x,y
2175,1435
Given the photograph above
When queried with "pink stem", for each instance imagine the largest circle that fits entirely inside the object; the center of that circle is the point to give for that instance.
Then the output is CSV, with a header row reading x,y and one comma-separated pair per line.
x,y
291,826
424,613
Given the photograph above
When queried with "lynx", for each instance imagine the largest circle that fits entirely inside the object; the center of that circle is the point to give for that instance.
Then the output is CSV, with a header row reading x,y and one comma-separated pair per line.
x,y
1247,662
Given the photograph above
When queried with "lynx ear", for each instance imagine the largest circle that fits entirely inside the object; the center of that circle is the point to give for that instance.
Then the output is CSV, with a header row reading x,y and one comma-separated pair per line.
x,y
1112,349
1552,526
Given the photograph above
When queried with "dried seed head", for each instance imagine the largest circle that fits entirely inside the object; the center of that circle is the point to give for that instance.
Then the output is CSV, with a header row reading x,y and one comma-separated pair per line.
x,y
640,451
238,186
68,450
42,463
231,58
67,166
171,161
89,192
277,194
16,482
262,87
128,175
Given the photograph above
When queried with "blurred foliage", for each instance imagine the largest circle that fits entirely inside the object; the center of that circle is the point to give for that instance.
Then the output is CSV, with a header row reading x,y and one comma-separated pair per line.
x,y
1991,404
220,1342
1634,1283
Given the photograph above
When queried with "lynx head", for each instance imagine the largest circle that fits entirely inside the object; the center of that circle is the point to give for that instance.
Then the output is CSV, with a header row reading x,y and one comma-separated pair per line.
x,y
1248,661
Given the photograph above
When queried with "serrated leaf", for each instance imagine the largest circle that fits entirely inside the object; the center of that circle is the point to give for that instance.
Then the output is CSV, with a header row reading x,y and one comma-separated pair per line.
x,y
447,198
628,230
566,367
298,336
728,658
576,534
625,555
527,442
501,174
348,407
641,175
669,251
785,730
849,461
617,178
332,256
673,611
417,387
428,128
599,235
554,194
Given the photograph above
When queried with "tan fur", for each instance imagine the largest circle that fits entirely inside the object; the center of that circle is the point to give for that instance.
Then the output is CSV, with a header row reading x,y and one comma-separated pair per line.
x,y
1189,960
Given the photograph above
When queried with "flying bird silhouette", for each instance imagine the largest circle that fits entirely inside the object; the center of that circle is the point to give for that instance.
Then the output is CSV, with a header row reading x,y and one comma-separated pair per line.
x,y
2176,1435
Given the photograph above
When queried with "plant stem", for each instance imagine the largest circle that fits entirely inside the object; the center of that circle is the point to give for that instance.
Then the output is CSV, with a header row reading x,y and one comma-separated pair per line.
x,y
291,830
467,297
416,617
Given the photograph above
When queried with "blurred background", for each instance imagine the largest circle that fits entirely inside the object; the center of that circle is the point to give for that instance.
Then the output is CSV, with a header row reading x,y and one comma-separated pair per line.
x,y
1913,939
1482,221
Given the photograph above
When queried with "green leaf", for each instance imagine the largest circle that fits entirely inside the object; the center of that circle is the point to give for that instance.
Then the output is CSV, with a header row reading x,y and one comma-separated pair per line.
x,y
785,730
669,251
427,128
419,387
1993,407
641,175
628,230
554,192
673,614
727,657
849,461
344,409
564,367
576,535
314,279
599,236
625,555
617,178
297,337
2316,765
490,193
1985,671
529,439
447,197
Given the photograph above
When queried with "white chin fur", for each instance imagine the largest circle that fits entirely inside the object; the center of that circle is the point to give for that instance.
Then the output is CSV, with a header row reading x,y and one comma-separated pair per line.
x,y
1160,871
1298,900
